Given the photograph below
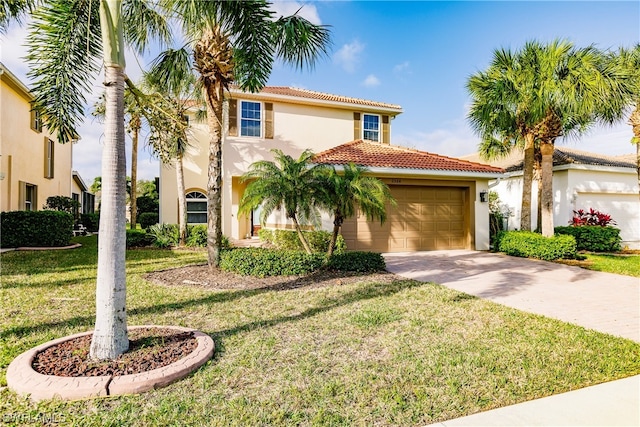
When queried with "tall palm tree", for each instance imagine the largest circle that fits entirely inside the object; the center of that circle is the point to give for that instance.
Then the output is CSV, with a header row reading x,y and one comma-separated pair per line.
x,y
293,186
352,190
629,59
235,43
69,42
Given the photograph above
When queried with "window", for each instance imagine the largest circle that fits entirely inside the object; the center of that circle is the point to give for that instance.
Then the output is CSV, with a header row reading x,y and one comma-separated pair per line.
x,y
196,208
76,210
250,119
36,120
48,158
27,196
371,127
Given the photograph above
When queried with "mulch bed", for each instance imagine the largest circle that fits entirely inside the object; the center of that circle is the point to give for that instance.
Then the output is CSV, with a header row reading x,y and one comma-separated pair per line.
x,y
149,348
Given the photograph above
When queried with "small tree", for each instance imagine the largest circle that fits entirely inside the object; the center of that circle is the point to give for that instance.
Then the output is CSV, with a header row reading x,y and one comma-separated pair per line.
x,y
286,184
62,204
346,192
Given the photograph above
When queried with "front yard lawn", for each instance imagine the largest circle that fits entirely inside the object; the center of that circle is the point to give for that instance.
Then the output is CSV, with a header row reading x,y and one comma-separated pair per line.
x,y
626,264
400,353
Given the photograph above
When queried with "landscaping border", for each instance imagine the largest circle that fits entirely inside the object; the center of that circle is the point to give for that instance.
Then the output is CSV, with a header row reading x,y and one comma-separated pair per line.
x,y
24,380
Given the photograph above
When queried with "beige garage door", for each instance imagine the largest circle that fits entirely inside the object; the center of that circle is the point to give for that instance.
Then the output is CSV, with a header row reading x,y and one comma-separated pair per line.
x,y
426,218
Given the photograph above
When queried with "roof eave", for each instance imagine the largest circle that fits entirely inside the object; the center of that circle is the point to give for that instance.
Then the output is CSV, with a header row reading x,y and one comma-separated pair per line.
x,y
413,172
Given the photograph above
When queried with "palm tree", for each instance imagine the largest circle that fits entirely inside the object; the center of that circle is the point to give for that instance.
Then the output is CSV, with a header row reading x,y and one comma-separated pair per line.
x,y
287,184
629,59
501,113
351,190
69,42
235,43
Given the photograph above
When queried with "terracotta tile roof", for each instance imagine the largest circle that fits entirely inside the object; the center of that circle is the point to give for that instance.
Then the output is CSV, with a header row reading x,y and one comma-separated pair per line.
x,y
310,94
374,154
561,156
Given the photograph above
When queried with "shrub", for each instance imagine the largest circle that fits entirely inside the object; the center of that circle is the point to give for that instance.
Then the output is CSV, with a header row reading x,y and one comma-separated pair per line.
x,y
593,217
288,240
138,239
35,228
62,204
533,245
148,219
263,262
91,221
362,262
146,204
593,238
197,237
164,235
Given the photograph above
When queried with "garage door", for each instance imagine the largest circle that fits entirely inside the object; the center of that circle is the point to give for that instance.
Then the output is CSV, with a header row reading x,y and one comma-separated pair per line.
x,y
623,208
426,218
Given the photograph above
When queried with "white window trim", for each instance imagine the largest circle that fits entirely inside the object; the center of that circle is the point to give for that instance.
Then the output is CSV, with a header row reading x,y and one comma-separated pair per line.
x,y
379,131
262,118
204,200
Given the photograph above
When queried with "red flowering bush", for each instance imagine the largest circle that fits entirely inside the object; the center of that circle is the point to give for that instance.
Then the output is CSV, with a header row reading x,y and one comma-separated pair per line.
x,y
593,217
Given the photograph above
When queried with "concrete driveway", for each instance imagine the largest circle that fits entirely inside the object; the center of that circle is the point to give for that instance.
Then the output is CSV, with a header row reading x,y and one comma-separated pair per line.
x,y
604,302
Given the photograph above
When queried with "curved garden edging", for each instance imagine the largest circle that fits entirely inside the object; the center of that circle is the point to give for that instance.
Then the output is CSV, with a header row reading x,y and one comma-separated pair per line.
x,y
24,380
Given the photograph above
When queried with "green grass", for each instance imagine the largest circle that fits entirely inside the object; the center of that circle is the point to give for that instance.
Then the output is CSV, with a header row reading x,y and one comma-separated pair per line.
x,y
404,353
626,264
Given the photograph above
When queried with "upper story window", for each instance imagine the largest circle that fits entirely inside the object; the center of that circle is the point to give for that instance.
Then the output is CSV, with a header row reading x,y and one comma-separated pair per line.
x,y
250,119
36,120
371,127
196,208
48,158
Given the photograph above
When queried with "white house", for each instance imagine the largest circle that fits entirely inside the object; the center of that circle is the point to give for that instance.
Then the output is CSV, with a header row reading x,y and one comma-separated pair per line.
x,y
438,197
581,180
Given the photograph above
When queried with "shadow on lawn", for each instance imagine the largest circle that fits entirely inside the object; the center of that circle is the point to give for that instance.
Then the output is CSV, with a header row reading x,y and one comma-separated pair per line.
x,y
368,291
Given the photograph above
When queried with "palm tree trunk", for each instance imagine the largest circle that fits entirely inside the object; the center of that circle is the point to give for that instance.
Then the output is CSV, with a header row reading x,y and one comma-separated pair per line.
x,y
634,120
537,173
182,202
547,149
337,223
213,97
527,180
303,239
134,171
110,337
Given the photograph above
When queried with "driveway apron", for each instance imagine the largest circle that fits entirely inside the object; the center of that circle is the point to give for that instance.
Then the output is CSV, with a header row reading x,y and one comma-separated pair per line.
x,y
605,302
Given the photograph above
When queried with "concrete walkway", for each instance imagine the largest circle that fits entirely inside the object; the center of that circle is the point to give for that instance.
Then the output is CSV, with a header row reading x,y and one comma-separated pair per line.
x,y
605,302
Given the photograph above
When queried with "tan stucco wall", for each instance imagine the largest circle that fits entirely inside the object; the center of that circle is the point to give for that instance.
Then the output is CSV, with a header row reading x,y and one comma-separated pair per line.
x,y
22,151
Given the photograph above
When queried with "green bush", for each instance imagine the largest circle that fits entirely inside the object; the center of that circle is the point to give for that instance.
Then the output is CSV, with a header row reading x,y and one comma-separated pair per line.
x,y
288,240
35,228
533,245
261,262
164,235
139,239
362,262
197,237
593,238
62,204
147,204
91,221
147,219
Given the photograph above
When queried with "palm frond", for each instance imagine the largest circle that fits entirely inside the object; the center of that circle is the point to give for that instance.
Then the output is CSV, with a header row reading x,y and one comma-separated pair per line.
x,y
143,23
299,42
15,10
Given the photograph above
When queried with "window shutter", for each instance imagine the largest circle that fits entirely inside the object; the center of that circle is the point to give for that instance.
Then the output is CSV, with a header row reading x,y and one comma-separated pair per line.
x,y
233,117
386,127
34,202
48,157
22,194
357,128
36,121
268,120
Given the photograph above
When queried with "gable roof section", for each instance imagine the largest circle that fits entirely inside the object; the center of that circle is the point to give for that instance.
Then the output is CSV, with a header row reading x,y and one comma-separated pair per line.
x,y
561,156
309,96
375,154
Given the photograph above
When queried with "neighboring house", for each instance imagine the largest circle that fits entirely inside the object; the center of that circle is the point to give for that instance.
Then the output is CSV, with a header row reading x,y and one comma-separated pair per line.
x,y
581,180
438,197
80,193
33,166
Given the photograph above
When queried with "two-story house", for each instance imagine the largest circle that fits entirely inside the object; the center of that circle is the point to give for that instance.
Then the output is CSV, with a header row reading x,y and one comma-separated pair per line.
x,y
439,198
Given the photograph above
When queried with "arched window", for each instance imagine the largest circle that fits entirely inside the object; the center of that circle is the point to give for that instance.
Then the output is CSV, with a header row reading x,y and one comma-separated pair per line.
x,y
196,208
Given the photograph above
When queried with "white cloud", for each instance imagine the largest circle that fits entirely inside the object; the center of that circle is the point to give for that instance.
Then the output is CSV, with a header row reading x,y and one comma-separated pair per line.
x,y
348,56
405,67
371,81
306,10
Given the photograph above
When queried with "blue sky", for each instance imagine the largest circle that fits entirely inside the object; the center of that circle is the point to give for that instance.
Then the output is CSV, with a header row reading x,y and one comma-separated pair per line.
x,y
418,54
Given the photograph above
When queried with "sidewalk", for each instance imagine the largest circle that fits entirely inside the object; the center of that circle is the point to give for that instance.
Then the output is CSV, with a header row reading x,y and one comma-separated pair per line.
x,y
605,302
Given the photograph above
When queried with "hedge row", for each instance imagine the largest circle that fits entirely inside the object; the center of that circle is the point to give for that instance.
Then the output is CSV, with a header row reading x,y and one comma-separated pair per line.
x,y
35,228
262,262
533,245
593,238
288,240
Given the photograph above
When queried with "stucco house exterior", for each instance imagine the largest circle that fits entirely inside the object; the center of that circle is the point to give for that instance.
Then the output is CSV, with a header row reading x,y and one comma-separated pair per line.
x,y
33,166
438,197
581,180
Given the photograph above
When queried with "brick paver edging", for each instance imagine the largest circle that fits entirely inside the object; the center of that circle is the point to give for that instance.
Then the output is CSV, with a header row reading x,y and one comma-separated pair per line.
x,y
24,380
